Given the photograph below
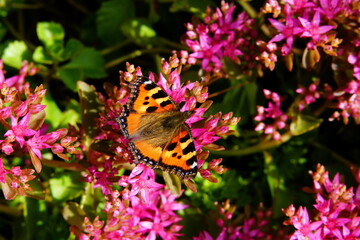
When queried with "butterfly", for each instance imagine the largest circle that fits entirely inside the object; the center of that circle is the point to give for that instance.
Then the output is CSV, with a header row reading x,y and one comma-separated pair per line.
x,y
156,129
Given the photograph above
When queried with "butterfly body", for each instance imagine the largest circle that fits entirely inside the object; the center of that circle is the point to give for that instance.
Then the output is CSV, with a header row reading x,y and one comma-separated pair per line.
x,y
156,128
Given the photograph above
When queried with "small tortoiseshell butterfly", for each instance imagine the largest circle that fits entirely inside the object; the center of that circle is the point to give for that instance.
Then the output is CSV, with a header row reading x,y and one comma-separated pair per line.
x,y
158,134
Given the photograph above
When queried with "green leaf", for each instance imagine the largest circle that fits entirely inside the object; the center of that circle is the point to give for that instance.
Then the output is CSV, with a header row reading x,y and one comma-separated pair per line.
x,y
65,186
139,30
73,214
173,183
91,62
304,123
15,53
73,47
111,15
53,112
52,36
90,108
70,76
70,117
40,55
87,63
196,7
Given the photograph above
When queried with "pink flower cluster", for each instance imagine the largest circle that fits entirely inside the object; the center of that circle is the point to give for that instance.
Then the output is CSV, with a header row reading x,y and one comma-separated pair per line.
x,y
348,101
22,115
354,59
336,213
347,98
144,209
310,94
219,37
314,21
271,119
306,19
251,228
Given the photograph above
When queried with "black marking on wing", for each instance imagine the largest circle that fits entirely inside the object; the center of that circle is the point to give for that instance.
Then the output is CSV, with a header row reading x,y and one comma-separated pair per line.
x,y
189,148
149,86
185,138
151,109
190,161
171,146
160,94
165,103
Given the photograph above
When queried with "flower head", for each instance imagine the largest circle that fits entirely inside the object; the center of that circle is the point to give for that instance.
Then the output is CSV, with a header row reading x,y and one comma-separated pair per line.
x,y
22,117
220,37
271,119
336,212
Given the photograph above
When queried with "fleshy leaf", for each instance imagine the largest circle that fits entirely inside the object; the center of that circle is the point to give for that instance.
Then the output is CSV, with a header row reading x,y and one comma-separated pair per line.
x,y
139,30
191,185
35,160
72,48
52,36
53,112
173,183
37,120
15,53
196,7
40,55
66,186
303,124
90,108
87,63
73,214
310,58
9,192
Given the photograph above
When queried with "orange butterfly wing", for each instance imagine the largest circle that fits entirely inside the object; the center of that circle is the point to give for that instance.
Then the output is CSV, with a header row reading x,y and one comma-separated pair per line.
x,y
179,156
146,110
147,97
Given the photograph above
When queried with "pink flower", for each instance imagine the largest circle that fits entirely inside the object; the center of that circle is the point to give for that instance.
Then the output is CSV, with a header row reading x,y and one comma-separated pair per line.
x,y
286,31
271,119
354,59
313,29
20,129
330,8
3,171
305,228
102,176
142,180
207,51
203,236
300,5
310,94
